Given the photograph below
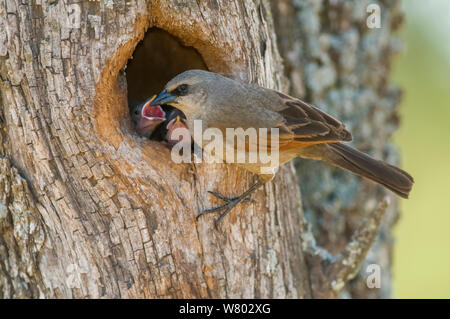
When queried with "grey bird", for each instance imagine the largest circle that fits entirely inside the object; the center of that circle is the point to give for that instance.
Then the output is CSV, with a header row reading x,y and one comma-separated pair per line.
x,y
304,130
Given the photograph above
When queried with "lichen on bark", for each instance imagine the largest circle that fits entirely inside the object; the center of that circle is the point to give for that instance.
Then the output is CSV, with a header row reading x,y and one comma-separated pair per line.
x,y
334,61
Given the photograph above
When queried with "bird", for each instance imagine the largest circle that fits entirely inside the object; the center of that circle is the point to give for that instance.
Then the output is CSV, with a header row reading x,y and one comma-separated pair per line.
x,y
147,118
177,122
304,130
158,122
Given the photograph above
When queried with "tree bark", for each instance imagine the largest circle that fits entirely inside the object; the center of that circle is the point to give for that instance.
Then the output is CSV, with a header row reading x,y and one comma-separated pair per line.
x,y
336,62
88,209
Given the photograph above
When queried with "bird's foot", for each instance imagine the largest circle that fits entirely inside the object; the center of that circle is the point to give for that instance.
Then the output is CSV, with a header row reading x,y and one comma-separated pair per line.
x,y
230,204
228,199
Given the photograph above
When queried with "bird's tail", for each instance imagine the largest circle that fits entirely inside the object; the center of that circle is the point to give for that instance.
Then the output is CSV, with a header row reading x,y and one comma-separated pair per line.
x,y
346,157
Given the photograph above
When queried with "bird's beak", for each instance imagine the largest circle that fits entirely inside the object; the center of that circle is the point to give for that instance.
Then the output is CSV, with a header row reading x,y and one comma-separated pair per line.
x,y
177,120
153,112
163,98
174,124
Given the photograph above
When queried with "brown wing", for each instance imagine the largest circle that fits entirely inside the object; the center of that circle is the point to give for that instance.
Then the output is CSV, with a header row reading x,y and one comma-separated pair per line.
x,y
306,125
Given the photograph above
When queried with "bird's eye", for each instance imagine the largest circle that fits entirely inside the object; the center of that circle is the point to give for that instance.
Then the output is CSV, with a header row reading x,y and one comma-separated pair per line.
x,y
181,89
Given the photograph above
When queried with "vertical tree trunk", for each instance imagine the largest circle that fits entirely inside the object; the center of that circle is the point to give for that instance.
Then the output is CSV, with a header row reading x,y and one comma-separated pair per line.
x,y
89,209
336,62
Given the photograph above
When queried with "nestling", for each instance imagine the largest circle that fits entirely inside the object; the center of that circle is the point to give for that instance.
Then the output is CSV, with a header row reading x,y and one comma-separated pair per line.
x,y
158,121
146,122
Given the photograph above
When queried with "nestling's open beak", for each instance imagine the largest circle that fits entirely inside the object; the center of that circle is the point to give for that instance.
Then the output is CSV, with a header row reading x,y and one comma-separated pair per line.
x,y
152,111
163,98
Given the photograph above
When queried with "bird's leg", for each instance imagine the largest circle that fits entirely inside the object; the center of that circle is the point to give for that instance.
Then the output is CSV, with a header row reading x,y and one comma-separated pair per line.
x,y
227,199
230,202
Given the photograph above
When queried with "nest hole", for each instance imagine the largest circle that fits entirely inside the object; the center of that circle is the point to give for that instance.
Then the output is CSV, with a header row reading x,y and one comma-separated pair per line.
x,y
157,59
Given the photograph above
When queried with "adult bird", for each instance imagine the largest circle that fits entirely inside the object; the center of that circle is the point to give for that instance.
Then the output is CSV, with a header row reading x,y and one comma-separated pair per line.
x,y
304,130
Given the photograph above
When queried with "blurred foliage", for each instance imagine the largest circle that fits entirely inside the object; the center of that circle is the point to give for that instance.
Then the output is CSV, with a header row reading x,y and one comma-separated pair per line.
x,y
422,249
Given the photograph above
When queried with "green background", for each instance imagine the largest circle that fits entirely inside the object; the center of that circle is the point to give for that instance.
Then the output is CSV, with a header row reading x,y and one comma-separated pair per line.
x,y
422,250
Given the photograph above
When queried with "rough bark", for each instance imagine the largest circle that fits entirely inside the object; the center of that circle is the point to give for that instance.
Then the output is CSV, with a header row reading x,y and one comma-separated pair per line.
x,y
106,213
89,209
336,62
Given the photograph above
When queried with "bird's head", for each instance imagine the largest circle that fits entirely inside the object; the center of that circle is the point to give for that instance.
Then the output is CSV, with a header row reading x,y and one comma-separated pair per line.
x,y
188,90
182,135
146,118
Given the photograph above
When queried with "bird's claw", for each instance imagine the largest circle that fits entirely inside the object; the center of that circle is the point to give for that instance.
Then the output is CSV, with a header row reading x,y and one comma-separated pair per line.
x,y
230,204
228,199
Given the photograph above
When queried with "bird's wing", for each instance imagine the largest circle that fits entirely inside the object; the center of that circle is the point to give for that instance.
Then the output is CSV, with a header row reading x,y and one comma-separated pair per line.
x,y
304,124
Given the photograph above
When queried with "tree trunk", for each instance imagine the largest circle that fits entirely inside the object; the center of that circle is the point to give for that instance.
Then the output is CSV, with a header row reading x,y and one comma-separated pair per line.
x,y
336,62
89,209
